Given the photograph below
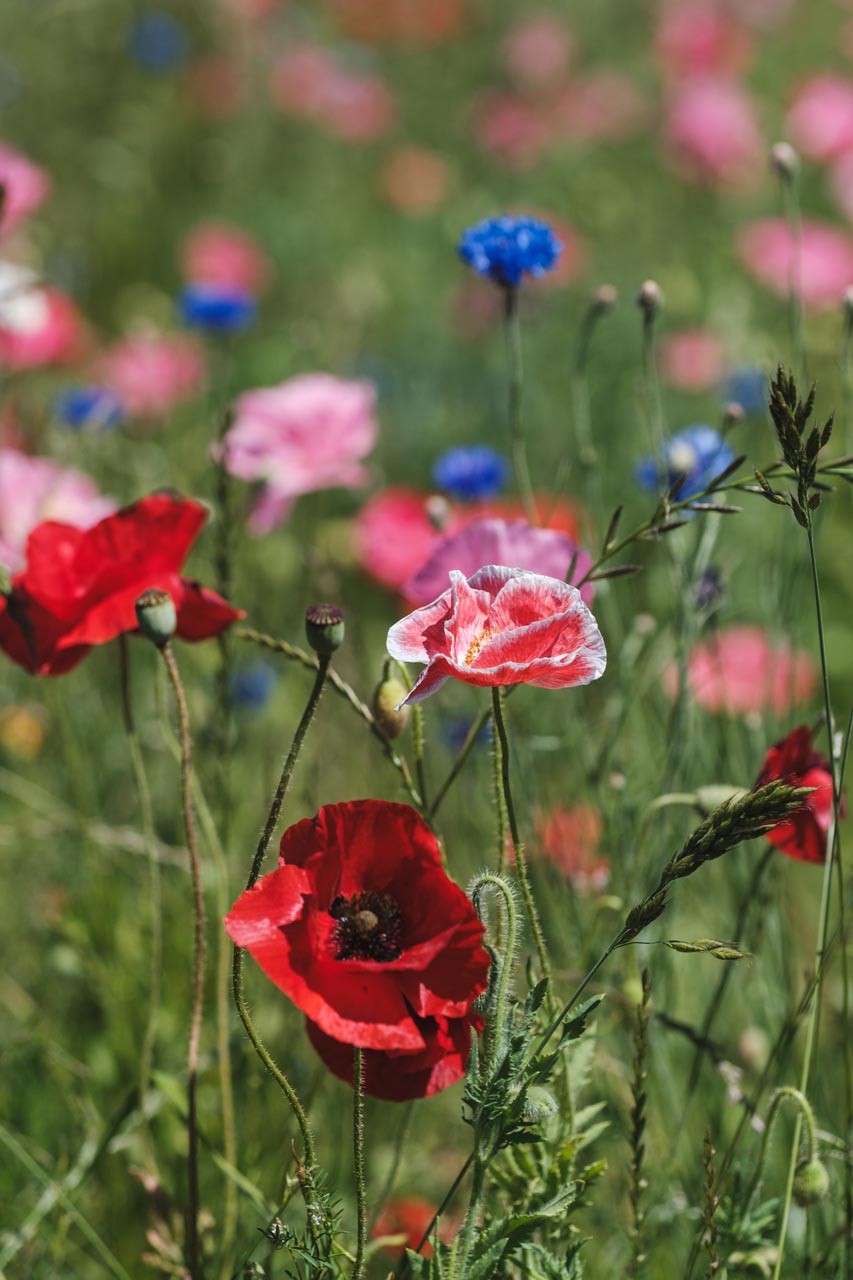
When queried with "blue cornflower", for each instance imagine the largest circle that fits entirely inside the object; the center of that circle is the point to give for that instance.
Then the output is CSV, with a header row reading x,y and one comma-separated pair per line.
x,y
251,687
89,408
471,471
506,248
698,453
748,388
456,730
219,308
157,42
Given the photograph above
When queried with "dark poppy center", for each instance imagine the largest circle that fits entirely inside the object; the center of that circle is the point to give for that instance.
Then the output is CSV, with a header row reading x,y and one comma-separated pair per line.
x,y
368,926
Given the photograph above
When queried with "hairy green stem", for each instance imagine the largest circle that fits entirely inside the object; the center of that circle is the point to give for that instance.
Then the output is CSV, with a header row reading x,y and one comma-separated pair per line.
x,y
495,1032
358,1158
805,1116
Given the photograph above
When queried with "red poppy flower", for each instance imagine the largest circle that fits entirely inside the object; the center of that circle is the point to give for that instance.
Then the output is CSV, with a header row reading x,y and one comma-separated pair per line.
x,y
410,1216
80,586
793,760
500,627
363,929
399,1076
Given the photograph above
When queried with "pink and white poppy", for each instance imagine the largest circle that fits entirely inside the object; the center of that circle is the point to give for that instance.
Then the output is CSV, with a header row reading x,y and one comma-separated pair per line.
x,y
152,372
220,253
36,489
25,188
820,271
513,543
820,122
739,670
501,627
308,433
712,134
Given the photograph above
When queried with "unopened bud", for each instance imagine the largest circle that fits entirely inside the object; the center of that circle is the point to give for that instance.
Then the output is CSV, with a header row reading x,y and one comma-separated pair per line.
x,y
387,696
605,298
847,302
650,299
324,628
539,1105
156,616
811,1183
732,415
784,161
438,511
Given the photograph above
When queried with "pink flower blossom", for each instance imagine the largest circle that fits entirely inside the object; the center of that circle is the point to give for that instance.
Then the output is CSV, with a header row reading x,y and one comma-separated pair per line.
x,y
825,266
601,106
152,372
305,434
570,838
820,121
501,627
692,359
712,134
308,82
220,253
42,327
25,187
697,37
537,50
739,670
393,535
512,129
514,544
37,489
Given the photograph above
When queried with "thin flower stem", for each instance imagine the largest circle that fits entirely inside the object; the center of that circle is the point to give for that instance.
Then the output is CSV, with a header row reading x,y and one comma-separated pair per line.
x,y
345,691
502,745
805,1116
401,1136
420,769
358,1157
456,768
652,380
146,1054
847,377
192,1250
516,388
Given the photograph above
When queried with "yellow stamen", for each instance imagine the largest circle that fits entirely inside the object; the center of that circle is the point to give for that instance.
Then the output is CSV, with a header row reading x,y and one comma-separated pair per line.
x,y
475,645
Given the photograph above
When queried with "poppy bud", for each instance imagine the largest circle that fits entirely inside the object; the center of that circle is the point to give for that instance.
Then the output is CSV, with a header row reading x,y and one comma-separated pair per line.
x,y
538,1105
387,696
650,299
156,615
324,628
811,1183
784,161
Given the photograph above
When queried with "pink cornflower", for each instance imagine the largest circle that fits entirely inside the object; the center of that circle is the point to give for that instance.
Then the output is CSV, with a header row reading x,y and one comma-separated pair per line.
x,y
152,372
223,254
712,134
491,540
501,627
822,270
570,839
692,359
308,433
820,122
738,670
25,187
37,489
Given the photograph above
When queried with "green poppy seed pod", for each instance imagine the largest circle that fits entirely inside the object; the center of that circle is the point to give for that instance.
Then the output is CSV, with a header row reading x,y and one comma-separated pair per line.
x,y
157,616
387,696
538,1105
811,1183
324,628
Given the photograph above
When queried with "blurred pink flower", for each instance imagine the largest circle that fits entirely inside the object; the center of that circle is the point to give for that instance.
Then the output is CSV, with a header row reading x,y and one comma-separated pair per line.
x,y
306,81
394,535
152,372
712,135
414,180
692,359
37,489
510,128
513,543
569,838
820,121
358,108
767,250
25,187
537,50
698,37
305,434
601,106
40,327
739,670
221,253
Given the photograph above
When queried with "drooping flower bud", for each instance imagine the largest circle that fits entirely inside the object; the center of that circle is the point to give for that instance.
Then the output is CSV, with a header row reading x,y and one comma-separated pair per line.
x,y
324,628
811,1183
156,615
387,696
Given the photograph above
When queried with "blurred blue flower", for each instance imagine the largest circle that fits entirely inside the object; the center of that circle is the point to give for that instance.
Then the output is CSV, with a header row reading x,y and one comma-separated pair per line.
x,y
697,453
89,408
506,248
455,731
251,687
157,42
748,388
218,308
471,471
